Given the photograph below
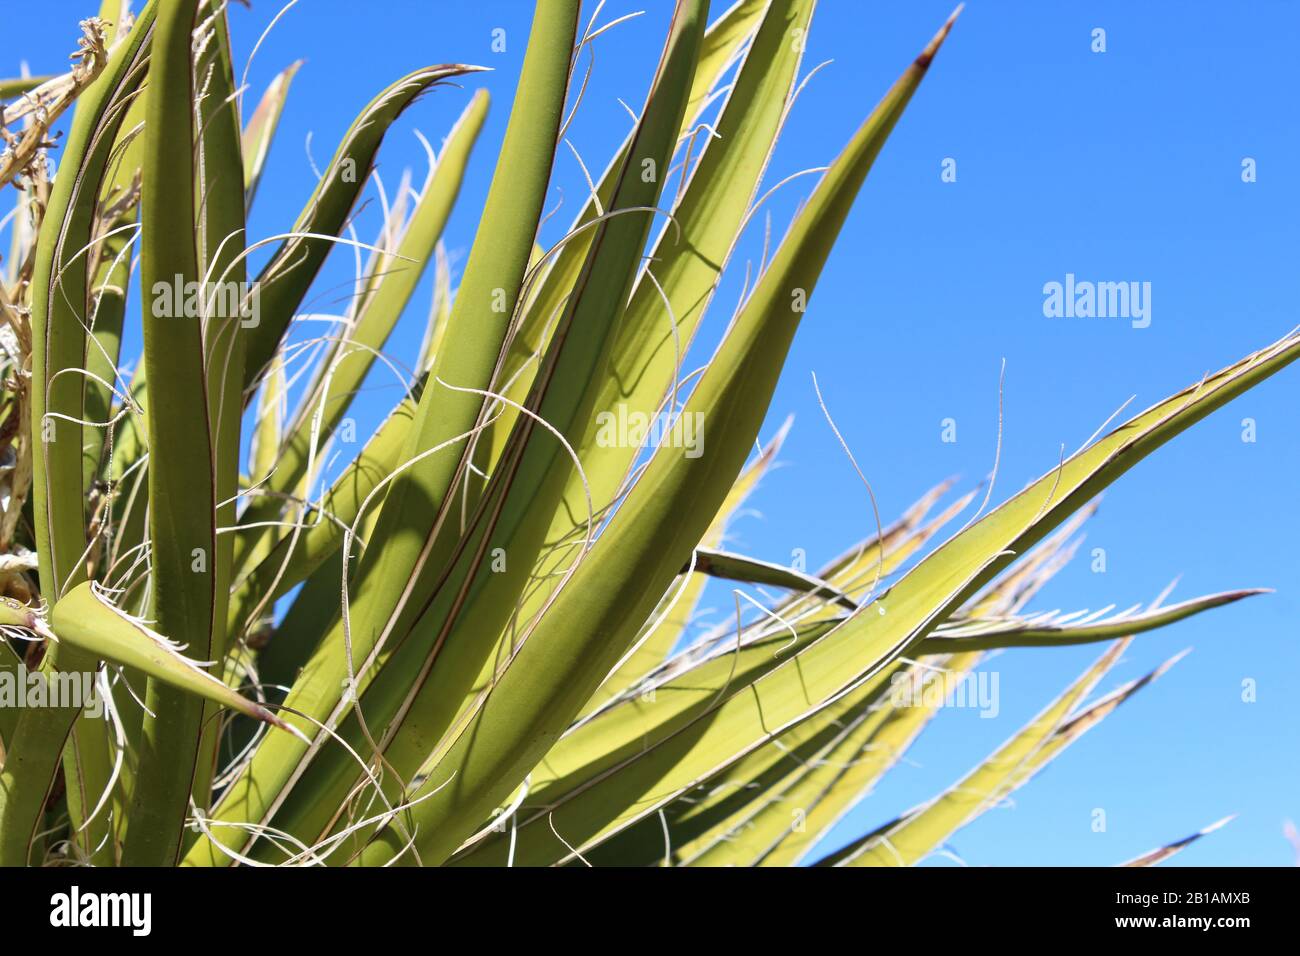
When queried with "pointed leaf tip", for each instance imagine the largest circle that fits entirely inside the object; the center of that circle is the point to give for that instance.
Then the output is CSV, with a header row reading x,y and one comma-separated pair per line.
x,y
264,715
923,61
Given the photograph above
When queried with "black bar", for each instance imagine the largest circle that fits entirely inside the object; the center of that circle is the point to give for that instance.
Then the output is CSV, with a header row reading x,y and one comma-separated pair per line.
x,y
220,907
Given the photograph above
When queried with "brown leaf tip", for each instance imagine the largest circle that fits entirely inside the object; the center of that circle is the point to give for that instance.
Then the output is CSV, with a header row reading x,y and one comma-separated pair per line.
x,y
923,61
262,714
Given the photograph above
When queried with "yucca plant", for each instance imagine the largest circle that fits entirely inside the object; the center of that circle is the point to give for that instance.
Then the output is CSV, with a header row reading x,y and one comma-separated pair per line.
x,y
469,648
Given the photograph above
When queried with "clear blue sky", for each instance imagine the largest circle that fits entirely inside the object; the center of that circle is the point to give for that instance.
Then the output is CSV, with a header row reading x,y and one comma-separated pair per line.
x,y
1123,165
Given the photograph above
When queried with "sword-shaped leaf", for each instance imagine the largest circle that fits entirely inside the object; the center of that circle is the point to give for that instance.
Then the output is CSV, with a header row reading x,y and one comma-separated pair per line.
x,y
259,132
346,364
84,619
585,811
974,634
473,601
60,305
469,353
1160,854
284,281
594,618
913,836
